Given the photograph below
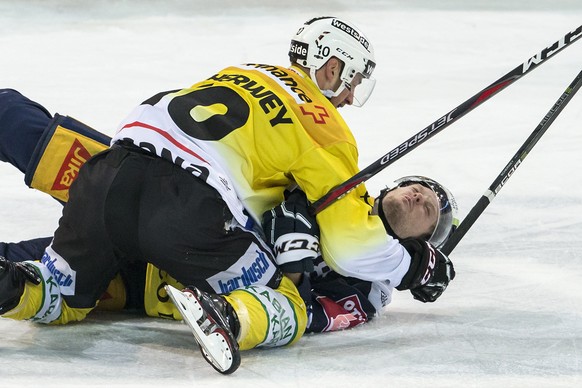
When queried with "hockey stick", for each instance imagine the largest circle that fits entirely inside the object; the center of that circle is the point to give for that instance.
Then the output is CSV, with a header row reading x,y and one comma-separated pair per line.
x,y
444,121
513,164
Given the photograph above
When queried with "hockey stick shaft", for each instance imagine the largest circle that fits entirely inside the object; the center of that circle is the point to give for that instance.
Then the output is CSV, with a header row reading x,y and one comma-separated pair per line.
x,y
513,164
446,120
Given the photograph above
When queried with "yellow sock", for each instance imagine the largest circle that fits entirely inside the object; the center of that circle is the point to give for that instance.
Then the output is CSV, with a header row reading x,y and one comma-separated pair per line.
x,y
29,304
268,317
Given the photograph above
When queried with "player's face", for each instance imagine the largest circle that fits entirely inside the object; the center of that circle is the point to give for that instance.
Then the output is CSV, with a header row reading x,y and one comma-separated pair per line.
x,y
411,211
346,97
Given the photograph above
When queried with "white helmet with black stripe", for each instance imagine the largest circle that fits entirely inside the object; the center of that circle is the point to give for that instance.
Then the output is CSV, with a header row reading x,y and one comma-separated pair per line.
x,y
322,38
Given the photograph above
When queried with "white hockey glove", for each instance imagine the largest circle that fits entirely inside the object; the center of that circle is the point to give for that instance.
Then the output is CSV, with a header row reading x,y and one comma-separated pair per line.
x,y
430,271
292,233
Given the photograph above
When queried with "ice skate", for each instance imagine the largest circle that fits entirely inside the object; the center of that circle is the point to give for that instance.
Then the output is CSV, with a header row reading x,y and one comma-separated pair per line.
x,y
213,324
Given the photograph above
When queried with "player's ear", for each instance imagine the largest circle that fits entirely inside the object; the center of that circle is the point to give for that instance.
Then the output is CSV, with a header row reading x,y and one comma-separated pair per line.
x,y
333,69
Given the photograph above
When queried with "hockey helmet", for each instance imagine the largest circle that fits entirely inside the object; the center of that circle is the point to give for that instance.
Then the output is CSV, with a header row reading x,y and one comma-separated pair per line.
x,y
447,217
321,38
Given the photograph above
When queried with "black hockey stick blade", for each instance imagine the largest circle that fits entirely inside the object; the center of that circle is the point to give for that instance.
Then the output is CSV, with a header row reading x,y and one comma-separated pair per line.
x,y
446,120
513,164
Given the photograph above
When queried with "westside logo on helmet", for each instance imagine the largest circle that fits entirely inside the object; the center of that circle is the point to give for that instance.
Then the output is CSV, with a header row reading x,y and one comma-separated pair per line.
x,y
351,31
299,49
370,65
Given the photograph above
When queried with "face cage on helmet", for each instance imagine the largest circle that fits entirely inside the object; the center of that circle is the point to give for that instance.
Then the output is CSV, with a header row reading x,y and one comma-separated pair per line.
x,y
446,221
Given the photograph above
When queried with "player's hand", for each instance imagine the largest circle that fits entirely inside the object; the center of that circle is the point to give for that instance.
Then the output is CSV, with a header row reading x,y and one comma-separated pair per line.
x,y
293,233
430,271
442,275
13,277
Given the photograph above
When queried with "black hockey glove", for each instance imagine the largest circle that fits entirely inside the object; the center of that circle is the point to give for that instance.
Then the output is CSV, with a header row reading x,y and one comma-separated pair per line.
x,y
443,274
292,233
430,271
13,277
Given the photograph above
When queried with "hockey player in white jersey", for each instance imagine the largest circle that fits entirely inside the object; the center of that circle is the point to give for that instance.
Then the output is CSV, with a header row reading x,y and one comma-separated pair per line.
x,y
334,302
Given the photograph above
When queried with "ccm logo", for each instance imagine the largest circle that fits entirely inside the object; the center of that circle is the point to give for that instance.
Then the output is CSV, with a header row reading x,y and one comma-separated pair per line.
x,y
430,267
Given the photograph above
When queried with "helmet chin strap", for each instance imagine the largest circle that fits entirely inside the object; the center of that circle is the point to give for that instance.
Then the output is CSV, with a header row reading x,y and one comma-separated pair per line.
x,y
382,215
326,92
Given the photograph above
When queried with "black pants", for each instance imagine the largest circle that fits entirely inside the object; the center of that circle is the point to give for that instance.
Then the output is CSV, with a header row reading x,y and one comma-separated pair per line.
x,y
128,207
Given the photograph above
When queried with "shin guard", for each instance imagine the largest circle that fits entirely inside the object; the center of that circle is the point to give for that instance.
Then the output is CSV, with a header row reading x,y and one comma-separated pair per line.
x,y
267,317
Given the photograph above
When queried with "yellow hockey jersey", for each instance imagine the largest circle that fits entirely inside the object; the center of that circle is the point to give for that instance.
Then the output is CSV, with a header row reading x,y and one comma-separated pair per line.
x,y
251,131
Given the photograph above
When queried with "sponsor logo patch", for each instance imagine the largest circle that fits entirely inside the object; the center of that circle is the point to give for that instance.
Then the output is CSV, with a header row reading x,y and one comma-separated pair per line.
x,y
299,49
76,157
319,115
351,31
249,275
63,276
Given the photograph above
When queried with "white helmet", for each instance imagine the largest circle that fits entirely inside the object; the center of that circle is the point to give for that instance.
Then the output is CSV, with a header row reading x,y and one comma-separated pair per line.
x,y
447,218
321,38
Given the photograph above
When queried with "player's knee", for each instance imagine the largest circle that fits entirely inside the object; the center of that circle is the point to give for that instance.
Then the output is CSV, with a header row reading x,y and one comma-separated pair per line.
x,y
14,107
22,122
8,97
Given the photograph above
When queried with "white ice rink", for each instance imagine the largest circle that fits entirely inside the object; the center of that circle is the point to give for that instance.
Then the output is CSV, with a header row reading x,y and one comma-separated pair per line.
x,y
513,315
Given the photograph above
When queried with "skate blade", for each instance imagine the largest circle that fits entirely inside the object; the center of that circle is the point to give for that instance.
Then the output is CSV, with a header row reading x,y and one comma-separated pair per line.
x,y
215,347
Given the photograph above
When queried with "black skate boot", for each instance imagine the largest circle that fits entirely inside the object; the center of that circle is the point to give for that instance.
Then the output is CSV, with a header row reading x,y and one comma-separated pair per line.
x,y
13,277
214,324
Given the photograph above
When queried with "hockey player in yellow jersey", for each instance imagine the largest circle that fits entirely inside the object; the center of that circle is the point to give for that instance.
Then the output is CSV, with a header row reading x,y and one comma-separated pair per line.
x,y
186,182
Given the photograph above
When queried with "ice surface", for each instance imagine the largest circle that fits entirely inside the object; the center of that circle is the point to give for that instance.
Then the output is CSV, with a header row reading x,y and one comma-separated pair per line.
x,y
513,315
